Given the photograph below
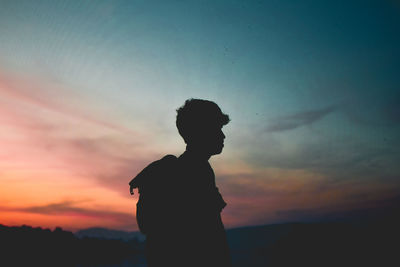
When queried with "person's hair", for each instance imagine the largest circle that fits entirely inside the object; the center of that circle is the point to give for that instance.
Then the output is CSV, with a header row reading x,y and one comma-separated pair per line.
x,y
197,114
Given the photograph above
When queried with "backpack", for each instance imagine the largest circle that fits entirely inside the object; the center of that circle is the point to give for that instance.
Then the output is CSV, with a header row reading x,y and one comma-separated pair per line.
x,y
151,183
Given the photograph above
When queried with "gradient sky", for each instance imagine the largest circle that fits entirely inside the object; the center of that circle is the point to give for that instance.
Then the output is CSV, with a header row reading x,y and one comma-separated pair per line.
x,y
89,89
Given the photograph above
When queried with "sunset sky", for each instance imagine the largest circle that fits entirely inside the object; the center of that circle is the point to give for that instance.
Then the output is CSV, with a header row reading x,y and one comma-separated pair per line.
x,y
89,89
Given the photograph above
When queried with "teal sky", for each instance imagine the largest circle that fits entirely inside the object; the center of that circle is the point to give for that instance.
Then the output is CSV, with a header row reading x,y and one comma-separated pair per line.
x,y
312,88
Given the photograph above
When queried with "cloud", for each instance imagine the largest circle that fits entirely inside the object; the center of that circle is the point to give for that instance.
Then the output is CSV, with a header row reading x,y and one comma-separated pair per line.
x,y
54,97
392,111
274,195
299,119
83,145
374,110
110,161
378,208
68,208
339,157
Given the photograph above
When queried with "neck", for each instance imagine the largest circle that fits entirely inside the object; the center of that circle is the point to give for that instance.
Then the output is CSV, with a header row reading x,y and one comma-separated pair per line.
x,y
197,153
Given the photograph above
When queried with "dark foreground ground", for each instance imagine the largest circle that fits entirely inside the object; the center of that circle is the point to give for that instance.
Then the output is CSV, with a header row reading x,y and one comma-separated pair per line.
x,y
359,243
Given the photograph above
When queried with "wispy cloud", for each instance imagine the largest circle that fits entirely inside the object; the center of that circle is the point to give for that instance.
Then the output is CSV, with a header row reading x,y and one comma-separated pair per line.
x,y
277,195
299,119
54,97
374,112
81,144
340,157
69,208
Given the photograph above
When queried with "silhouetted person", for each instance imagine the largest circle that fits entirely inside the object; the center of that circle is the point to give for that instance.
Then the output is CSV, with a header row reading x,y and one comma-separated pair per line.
x,y
179,204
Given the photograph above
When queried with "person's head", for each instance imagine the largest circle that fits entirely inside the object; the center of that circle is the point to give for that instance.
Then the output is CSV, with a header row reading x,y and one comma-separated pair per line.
x,y
200,124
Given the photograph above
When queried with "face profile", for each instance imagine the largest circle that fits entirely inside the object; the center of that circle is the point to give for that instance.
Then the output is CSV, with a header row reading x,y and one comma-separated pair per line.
x,y
200,123
213,140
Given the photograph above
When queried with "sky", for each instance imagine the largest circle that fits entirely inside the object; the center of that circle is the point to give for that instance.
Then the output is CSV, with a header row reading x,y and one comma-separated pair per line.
x,y
89,92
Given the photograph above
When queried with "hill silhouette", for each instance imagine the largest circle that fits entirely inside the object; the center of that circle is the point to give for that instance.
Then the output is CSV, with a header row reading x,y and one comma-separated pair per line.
x,y
316,244
27,246
356,243
104,233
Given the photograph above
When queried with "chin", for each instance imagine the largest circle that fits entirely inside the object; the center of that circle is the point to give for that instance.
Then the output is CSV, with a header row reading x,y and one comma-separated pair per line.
x,y
218,151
